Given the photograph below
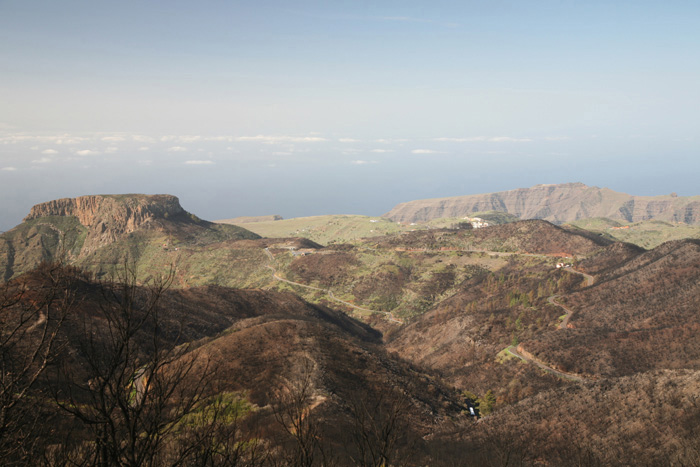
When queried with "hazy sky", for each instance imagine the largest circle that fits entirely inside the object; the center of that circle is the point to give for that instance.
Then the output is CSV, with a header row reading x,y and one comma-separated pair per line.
x,y
317,107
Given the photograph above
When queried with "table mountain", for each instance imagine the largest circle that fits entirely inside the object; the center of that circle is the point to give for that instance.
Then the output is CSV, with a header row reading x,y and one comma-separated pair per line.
x,y
556,203
78,229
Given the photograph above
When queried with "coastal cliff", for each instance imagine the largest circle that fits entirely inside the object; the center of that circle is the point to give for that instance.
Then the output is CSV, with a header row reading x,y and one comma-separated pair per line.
x,y
555,203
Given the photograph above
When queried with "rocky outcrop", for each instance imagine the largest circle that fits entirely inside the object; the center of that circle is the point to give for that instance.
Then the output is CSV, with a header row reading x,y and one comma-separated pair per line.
x,y
107,217
555,203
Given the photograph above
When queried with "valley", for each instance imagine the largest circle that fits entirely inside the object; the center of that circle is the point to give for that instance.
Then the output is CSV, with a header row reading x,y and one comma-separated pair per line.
x,y
351,322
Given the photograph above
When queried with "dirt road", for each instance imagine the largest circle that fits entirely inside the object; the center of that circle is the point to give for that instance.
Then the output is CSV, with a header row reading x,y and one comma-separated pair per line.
x,y
329,292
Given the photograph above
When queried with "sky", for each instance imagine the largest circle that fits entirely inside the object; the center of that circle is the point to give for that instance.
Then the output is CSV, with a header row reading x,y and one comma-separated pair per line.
x,y
343,107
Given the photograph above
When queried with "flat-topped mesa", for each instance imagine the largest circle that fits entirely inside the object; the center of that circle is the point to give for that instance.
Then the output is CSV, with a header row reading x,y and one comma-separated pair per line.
x,y
110,216
556,203
130,211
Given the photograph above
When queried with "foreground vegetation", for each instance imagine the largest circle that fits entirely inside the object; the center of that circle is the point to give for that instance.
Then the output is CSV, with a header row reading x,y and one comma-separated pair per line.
x,y
186,343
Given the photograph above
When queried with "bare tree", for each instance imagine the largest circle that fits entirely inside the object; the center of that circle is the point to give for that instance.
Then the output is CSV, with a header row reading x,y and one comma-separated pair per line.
x,y
32,311
293,410
130,385
379,428
219,433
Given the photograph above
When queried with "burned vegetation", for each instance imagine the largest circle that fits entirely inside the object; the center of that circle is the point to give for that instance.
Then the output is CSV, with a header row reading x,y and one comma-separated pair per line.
x,y
517,344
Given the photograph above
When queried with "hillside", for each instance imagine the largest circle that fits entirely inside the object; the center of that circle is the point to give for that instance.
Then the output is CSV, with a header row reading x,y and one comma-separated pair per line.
x,y
451,319
640,316
532,236
255,347
556,203
349,228
322,229
83,228
403,276
647,234
645,419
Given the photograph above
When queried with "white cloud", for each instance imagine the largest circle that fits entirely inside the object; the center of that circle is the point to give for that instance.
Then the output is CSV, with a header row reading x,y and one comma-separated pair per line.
x,y
508,139
228,139
282,153
189,138
424,151
111,150
54,139
142,139
43,160
113,139
199,162
381,151
176,149
181,138
87,152
556,138
348,140
69,140
363,162
9,169
461,140
49,152
34,148
389,141
282,139
144,148
493,139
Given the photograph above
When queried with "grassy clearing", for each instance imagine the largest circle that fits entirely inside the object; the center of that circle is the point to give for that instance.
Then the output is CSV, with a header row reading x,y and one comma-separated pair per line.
x,y
505,356
350,228
326,229
225,408
647,234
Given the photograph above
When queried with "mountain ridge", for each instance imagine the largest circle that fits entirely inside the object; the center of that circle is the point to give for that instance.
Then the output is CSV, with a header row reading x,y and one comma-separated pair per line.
x,y
556,203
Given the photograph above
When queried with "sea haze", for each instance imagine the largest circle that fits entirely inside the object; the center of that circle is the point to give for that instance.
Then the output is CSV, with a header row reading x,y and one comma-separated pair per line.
x,y
243,109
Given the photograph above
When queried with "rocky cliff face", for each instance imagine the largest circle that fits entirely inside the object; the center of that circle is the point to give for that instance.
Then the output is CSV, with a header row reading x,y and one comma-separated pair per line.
x,y
108,217
555,203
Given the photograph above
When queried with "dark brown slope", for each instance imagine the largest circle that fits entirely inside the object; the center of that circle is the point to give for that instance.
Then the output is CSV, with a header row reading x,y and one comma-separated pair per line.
x,y
643,315
609,258
556,203
185,315
531,236
259,354
254,340
646,419
461,336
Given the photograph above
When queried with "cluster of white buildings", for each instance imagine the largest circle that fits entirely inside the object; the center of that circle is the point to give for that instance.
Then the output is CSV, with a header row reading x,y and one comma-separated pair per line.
x,y
477,222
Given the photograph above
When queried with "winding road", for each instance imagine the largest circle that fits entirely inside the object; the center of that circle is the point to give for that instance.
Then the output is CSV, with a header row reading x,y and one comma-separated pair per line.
x,y
564,324
589,282
570,376
275,276
511,349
